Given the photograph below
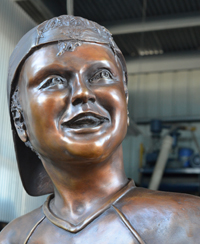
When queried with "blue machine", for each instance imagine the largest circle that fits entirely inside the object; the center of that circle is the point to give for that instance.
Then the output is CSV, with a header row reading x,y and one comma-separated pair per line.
x,y
185,155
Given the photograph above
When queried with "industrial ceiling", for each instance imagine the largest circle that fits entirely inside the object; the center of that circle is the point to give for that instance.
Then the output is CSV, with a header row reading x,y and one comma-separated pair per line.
x,y
154,30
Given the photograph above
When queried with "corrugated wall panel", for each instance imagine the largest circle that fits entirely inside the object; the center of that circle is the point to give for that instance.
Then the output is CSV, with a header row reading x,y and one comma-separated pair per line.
x,y
166,98
14,23
179,91
194,92
165,95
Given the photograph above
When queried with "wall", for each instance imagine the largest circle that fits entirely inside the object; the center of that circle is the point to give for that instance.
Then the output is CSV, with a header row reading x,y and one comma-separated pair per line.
x,y
165,95
14,23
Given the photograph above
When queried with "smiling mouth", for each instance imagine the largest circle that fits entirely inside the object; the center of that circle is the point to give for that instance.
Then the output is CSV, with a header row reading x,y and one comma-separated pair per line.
x,y
85,120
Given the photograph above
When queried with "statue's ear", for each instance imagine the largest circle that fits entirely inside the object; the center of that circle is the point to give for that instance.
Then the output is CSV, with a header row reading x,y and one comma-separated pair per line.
x,y
125,86
19,124
127,97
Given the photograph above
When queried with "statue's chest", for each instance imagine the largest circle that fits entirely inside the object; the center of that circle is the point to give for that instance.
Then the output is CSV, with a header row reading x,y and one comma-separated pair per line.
x,y
108,228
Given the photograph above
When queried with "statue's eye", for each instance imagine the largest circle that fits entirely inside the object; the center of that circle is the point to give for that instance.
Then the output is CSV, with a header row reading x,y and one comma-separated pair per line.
x,y
52,81
103,74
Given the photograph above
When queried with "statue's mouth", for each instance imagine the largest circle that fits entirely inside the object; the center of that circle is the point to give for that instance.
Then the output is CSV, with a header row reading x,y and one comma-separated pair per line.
x,y
85,120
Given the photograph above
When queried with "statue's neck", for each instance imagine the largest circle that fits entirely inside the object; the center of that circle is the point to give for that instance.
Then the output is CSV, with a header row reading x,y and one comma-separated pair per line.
x,y
84,188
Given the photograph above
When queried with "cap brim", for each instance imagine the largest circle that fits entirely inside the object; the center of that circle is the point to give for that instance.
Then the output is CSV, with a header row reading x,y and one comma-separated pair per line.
x,y
34,177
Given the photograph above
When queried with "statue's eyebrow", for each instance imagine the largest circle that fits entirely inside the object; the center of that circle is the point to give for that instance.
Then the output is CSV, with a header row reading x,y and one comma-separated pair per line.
x,y
63,70
44,72
102,64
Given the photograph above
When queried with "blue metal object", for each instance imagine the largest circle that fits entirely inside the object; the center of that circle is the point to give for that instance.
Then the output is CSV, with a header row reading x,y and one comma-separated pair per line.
x,y
184,155
156,126
195,161
175,136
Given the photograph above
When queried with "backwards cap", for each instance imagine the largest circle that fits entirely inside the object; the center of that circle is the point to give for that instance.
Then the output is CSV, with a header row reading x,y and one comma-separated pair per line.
x,y
64,28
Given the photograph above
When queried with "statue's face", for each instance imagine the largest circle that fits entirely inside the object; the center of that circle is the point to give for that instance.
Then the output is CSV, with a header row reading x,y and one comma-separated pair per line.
x,y
74,104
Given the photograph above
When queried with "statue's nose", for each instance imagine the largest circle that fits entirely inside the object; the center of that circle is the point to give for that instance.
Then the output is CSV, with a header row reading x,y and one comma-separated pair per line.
x,y
82,93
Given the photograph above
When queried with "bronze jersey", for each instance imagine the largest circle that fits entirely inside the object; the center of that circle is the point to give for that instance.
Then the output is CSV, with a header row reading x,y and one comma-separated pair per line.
x,y
133,215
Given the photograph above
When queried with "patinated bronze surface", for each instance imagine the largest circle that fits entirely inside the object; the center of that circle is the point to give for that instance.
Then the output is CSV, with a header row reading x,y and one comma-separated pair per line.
x,y
67,90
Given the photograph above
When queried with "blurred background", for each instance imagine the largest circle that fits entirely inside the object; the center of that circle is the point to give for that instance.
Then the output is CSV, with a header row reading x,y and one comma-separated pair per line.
x,y
160,40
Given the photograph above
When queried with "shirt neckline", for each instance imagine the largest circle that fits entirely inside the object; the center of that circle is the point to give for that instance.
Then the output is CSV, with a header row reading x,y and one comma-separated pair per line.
x,y
75,228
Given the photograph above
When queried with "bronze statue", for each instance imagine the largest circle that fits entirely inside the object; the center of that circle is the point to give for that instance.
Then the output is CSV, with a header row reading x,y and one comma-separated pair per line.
x,y
67,91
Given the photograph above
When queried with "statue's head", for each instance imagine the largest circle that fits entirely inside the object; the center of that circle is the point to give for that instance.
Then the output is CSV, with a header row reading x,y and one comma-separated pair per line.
x,y
67,98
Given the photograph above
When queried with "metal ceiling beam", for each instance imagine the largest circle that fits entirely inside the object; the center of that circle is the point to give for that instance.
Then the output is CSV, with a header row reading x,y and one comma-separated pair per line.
x,y
42,8
70,7
165,62
154,24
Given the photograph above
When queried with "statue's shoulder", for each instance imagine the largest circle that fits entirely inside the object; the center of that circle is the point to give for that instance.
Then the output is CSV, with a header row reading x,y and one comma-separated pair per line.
x,y
18,230
141,199
158,214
